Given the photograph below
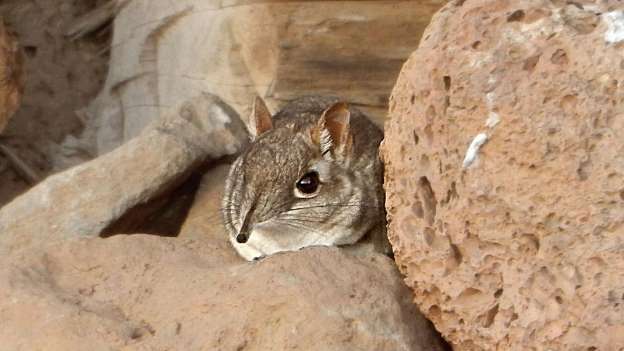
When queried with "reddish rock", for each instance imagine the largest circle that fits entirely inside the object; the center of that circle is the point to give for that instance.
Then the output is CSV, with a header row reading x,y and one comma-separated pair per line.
x,y
505,174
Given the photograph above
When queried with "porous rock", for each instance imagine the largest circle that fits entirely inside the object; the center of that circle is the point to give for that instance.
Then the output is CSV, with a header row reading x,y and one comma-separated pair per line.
x,y
505,174
11,85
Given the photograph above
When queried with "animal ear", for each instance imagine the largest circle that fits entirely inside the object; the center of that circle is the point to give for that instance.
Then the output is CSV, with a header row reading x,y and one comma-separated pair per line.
x,y
260,120
334,136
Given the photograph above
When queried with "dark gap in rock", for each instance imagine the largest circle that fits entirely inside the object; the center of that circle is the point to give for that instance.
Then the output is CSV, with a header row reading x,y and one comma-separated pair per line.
x,y
164,214
447,83
428,198
531,62
30,51
516,16
490,316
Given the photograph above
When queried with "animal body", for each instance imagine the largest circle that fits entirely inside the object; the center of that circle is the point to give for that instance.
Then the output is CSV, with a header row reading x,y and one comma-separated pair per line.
x,y
311,176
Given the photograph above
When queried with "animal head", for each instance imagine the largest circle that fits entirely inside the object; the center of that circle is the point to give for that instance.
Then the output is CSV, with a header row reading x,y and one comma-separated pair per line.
x,y
294,186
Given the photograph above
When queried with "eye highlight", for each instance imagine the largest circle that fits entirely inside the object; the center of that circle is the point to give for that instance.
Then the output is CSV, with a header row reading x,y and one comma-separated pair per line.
x,y
308,185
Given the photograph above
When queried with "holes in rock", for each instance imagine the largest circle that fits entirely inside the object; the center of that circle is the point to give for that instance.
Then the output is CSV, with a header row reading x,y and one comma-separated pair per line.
x,y
434,313
429,134
424,162
416,138
568,103
431,113
447,83
30,51
558,299
451,194
531,62
490,316
592,348
139,332
428,236
457,255
476,45
529,244
559,57
417,209
413,99
428,199
584,169
498,293
516,16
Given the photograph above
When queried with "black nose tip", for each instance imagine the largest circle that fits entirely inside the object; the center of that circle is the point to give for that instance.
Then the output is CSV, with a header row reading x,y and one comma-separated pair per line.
x,y
241,238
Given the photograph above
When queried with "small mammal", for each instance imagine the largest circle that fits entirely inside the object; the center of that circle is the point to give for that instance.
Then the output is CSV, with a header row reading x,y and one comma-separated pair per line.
x,y
311,176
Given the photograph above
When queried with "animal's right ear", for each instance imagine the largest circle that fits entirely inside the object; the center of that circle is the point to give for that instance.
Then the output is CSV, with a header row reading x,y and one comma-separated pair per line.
x,y
260,120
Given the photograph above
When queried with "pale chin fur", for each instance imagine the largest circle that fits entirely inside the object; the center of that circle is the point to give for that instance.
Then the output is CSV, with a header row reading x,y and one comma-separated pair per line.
x,y
260,243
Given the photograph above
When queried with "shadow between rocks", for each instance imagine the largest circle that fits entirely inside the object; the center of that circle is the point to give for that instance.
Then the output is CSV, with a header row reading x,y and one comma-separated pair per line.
x,y
164,214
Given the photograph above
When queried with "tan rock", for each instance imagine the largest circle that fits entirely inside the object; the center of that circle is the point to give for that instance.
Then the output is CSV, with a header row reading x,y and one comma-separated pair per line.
x,y
193,292
165,53
89,199
505,174
11,84
151,293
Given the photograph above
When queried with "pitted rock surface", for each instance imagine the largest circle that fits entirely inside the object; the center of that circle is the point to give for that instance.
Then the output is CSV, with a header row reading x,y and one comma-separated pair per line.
x,y
505,174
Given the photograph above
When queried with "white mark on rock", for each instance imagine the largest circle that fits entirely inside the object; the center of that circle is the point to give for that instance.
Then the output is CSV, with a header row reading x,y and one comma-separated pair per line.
x,y
493,117
489,99
615,24
493,120
473,150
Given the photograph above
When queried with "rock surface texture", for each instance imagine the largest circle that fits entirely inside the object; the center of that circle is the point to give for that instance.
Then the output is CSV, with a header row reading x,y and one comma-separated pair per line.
x,y
151,293
89,199
63,286
505,174
192,292
11,85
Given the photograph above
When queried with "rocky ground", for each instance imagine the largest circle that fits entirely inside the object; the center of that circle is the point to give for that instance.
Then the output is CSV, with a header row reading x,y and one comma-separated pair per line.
x,y
70,279
504,183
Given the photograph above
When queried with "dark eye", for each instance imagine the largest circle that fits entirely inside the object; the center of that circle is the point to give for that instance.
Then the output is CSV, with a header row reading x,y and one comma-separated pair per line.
x,y
309,183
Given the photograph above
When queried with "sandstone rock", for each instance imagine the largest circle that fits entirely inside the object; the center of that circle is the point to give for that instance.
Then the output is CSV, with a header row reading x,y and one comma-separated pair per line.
x,y
505,174
87,200
11,85
192,292
165,53
151,293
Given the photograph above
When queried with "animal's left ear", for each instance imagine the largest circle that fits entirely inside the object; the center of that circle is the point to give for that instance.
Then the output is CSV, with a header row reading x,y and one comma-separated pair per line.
x,y
260,120
334,136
